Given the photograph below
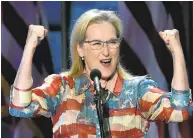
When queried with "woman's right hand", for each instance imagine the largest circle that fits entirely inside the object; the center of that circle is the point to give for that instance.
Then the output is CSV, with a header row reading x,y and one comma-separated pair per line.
x,y
36,34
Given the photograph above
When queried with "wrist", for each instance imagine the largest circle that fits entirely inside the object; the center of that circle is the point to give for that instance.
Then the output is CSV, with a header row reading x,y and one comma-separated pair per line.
x,y
30,46
28,54
23,90
177,52
29,49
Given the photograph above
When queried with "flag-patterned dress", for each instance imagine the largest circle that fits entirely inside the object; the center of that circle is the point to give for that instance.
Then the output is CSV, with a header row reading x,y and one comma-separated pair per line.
x,y
129,107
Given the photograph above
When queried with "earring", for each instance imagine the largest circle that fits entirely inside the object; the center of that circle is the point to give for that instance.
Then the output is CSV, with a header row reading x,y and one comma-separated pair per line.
x,y
82,58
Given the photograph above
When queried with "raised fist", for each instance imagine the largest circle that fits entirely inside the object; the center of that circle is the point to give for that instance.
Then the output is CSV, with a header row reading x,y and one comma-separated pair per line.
x,y
171,39
36,33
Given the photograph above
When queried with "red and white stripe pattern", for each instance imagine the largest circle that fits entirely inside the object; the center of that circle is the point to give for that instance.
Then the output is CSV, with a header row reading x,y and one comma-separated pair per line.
x,y
142,22
65,106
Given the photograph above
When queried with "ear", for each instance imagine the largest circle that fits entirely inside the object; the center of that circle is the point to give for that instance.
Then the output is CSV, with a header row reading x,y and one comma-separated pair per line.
x,y
80,50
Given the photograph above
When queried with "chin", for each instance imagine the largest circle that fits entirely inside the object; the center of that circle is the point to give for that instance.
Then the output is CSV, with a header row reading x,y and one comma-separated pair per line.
x,y
107,75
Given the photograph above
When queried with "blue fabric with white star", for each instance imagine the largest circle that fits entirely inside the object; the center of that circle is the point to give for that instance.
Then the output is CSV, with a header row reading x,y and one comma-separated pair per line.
x,y
180,99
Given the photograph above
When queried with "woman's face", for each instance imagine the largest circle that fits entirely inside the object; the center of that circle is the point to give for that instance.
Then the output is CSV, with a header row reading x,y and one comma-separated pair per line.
x,y
98,55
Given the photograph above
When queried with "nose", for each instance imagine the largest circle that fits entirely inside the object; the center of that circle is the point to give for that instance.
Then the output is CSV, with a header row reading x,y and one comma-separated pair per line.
x,y
105,50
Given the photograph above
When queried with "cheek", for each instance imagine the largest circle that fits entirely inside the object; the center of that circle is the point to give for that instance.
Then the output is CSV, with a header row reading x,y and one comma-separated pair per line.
x,y
91,57
115,53
115,57
91,54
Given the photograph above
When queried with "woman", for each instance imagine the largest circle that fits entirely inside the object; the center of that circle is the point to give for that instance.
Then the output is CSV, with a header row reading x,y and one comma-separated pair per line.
x,y
68,98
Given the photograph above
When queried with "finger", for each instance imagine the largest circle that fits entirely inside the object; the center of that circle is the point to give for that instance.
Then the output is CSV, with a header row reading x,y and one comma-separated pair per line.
x,y
175,32
171,32
167,42
40,35
167,31
40,27
45,32
40,38
31,26
161,34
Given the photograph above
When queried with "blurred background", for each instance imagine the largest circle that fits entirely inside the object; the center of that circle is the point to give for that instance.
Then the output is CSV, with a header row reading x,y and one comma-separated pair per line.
x,y
142,51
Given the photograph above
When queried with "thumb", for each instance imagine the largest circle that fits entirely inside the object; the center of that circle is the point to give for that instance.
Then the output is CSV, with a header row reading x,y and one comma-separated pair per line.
x,y
45,32
161,34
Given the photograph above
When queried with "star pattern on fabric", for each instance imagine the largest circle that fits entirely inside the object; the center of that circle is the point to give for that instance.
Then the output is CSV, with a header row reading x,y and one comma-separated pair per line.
x,y
123,104
185,103
150,87
92,106
127,92
132,92
131,104
176,102
26,110
79,98
118,105
85,87
115,99
85,120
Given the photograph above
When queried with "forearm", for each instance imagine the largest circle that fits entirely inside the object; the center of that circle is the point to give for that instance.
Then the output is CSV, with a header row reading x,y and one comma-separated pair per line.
x,y
21,92
22,103
23,78
180,78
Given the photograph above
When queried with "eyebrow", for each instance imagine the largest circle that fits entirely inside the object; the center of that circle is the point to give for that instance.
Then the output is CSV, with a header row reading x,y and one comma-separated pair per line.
x,y
101,40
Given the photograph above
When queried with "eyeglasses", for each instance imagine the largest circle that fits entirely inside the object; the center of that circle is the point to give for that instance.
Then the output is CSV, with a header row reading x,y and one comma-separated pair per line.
x,y
98,44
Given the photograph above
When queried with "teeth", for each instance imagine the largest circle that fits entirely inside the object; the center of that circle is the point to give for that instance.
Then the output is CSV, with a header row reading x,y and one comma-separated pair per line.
x,y
106,61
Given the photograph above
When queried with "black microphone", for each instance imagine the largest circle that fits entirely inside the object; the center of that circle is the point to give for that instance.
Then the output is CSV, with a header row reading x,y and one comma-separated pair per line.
x,y
95,76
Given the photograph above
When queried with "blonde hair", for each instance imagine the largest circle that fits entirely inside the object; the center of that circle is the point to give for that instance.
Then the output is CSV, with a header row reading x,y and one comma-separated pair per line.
x,y
79,33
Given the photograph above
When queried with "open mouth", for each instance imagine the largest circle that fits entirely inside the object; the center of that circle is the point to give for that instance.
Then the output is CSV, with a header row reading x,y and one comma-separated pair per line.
x,y
105,61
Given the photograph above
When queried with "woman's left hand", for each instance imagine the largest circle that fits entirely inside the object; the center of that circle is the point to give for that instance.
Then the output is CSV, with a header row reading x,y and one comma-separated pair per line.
x,y
172,40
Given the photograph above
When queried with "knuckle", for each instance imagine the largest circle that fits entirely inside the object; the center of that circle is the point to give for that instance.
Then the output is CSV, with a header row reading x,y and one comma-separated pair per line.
x,y
40,26
31,26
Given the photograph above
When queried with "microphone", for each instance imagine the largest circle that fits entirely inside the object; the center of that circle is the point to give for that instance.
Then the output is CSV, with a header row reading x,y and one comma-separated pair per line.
x,y
95,76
